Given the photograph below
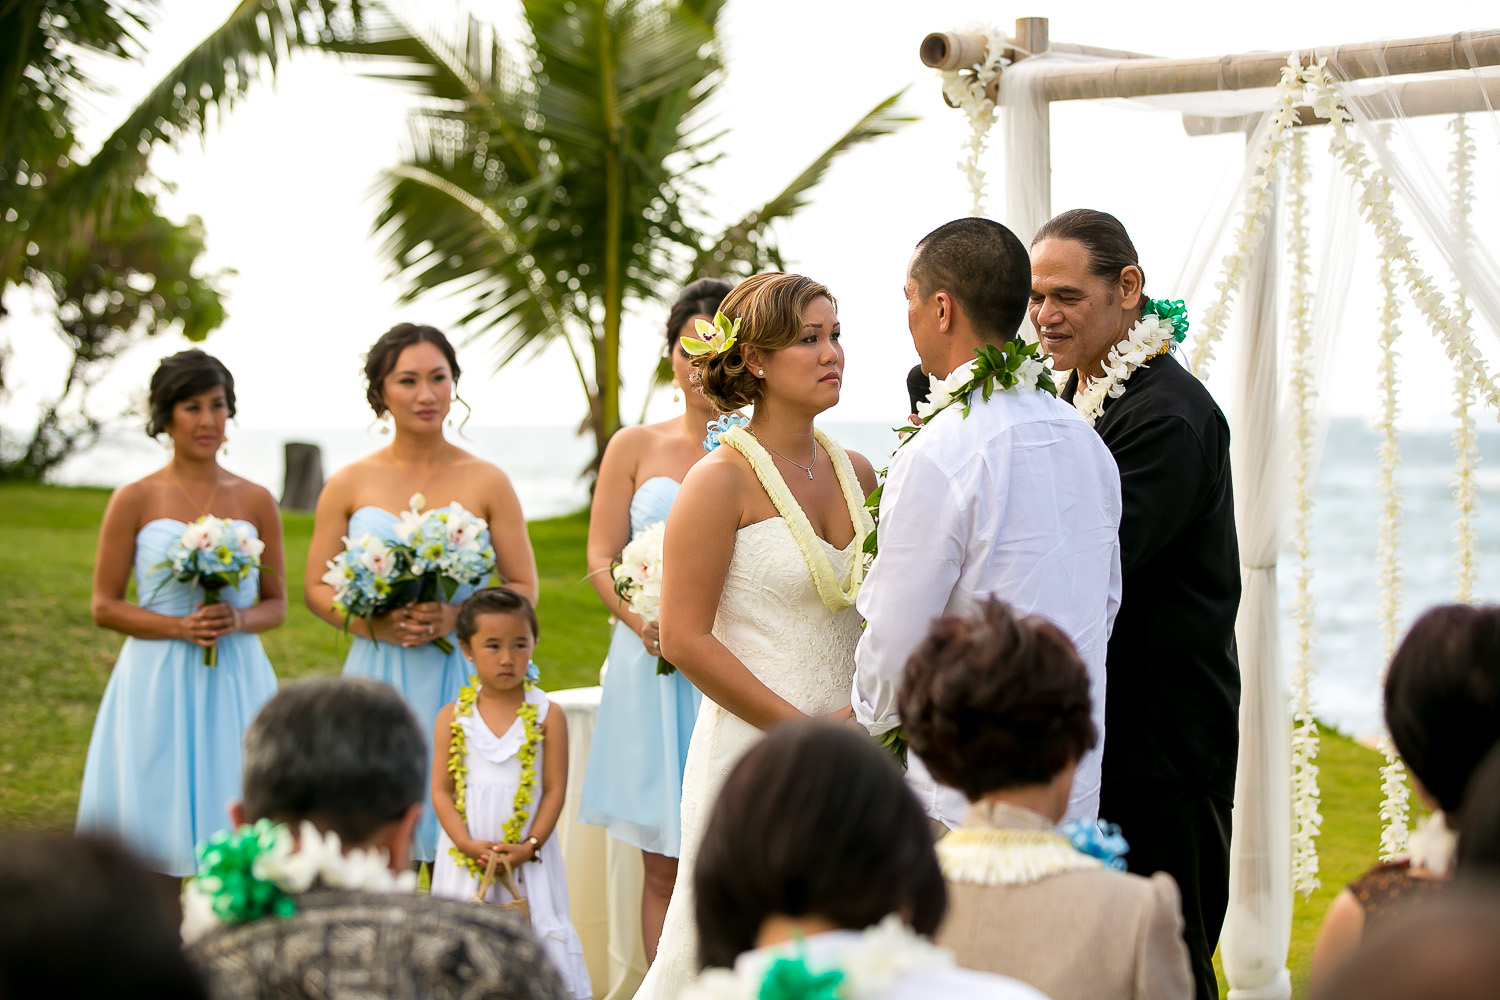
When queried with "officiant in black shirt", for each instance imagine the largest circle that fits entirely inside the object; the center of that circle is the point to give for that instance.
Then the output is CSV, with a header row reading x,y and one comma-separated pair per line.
x,y
1172,705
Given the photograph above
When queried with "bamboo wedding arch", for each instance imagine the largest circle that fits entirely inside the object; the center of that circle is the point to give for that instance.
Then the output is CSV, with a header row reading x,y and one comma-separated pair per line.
x,y
1279,101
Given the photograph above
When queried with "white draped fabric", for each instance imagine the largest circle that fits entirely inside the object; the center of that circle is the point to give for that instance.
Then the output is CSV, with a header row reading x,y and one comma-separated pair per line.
x,y
604,874
1248,373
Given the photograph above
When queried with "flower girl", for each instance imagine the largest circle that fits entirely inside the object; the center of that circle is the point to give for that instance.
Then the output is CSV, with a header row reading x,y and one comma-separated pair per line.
x,y
498,777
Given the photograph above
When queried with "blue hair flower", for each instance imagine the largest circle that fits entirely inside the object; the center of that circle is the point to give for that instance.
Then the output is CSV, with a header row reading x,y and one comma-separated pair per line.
x,y
533,672
1098,840
720,426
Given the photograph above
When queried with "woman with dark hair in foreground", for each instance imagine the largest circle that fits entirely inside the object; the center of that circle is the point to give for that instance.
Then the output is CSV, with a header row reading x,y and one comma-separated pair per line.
x,y
164,759
998,706
816,867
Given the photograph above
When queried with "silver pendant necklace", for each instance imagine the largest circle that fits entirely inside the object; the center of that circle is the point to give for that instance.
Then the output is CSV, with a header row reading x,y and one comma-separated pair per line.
x,y
805,468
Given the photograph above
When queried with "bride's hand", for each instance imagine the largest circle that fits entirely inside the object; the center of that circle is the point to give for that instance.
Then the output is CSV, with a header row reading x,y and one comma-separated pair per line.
x,y
844,715
651,637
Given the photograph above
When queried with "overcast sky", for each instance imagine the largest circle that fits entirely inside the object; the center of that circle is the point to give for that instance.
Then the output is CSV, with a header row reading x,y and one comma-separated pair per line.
x,y
284,188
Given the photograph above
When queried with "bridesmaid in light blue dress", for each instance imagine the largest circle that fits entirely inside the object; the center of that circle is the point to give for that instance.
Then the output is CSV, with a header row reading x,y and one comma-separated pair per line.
x,y
633,782
164,761
412,381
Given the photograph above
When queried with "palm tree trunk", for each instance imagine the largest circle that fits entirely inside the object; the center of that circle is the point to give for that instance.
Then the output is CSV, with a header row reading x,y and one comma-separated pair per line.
x,y
607,365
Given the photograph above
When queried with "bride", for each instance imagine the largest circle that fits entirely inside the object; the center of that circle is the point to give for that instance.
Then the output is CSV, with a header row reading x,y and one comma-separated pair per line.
x,y
763,556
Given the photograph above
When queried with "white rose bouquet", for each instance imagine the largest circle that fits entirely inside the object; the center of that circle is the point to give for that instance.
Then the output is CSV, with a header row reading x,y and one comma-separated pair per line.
x,y
212,553
637,577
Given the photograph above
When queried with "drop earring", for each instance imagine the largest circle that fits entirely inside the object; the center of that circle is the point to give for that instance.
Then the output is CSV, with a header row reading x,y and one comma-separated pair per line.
x,y
676,392
385,422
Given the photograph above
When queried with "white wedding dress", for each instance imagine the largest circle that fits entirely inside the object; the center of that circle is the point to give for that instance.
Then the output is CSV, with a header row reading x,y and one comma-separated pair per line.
x,y
772,618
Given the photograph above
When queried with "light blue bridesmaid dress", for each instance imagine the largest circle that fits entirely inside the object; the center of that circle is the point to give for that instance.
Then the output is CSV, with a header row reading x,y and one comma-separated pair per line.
x,y
633,785
164,761
427,677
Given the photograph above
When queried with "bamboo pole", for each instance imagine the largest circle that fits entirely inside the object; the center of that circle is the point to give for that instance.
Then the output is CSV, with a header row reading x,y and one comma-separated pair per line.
x,y
1148,77
963,49
1415,99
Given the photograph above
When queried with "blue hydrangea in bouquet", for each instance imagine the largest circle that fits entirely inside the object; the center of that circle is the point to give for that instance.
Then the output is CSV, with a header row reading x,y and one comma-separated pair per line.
x,y
443,549
211,554
364,577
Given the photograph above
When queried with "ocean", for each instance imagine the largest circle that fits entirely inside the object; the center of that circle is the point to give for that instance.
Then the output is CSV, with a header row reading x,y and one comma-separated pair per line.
x,y
544,464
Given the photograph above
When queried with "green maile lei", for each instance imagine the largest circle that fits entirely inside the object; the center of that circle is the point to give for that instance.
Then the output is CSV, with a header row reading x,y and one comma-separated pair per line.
x,y
458,749
1004,367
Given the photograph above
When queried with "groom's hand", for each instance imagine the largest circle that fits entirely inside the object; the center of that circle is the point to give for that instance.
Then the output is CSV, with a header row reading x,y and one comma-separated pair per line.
x,y
844,715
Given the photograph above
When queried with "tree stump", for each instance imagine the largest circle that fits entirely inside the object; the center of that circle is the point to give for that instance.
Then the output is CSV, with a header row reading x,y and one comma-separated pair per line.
x,y
304,476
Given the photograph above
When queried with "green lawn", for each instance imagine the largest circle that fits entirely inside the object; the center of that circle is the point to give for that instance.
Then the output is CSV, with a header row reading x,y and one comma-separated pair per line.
x,y
55,663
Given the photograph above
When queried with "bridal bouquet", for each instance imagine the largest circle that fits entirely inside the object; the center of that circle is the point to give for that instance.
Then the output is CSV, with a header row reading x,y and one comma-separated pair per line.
x,y
212,553
637,578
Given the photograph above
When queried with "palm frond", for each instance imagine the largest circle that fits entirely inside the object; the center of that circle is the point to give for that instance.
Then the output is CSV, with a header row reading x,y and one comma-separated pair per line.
x,y
747,243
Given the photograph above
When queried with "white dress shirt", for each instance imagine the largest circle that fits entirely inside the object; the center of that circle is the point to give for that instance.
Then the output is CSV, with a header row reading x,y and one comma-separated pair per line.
x,y
1020,500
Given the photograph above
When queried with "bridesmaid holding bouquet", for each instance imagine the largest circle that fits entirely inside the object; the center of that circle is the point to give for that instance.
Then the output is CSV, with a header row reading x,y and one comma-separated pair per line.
x,y
412,381
164,760
633,784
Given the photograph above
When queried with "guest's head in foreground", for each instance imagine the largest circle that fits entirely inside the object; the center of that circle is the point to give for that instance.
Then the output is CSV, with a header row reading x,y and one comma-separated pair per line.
x,y
411,378
497,631
1479,833
343,754
1442,700
785,356
1441,948
79,918
1442,708
966,285
191,400
813,830
1087,288
998,706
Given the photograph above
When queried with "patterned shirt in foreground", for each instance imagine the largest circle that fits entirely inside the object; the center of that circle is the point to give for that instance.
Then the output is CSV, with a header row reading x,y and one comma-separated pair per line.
x,y
343,945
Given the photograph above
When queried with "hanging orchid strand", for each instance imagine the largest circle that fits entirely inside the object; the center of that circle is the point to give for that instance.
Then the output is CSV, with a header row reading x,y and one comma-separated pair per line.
x,y
1393,787
1305,816
1251,230
966,89
1465,435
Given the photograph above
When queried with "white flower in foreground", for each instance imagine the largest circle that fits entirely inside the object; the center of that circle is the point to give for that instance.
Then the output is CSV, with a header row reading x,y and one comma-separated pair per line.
x,y
941,392
377,556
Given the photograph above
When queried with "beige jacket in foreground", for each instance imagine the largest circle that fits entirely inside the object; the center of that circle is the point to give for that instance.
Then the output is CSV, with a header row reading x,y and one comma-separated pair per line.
x,y
1085,934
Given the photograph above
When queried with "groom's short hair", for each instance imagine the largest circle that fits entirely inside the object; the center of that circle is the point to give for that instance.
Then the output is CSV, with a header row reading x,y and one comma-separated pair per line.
x,y
984,266
342,752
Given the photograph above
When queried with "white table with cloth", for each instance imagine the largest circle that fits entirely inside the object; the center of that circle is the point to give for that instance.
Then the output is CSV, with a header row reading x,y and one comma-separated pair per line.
x,y
604,874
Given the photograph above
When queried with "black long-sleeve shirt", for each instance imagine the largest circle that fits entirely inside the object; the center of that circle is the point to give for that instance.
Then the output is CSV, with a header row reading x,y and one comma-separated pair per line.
x,y
1172,707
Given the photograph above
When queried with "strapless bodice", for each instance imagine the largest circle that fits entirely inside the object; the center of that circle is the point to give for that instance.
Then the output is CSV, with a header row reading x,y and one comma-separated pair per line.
x,y
772,618
377,521
157,591
652,500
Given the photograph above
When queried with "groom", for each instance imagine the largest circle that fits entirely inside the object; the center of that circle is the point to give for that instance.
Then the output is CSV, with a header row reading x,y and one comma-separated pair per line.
x,y
1018,500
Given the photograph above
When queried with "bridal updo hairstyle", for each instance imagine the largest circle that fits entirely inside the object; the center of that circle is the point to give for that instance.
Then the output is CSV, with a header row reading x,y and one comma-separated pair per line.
x,y
814,820
769,307
994,700
1442,699
181,376
701,298
381,360
1102,235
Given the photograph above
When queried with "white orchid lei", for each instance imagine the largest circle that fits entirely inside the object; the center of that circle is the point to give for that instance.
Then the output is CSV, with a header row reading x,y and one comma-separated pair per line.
x,y
1162,323
869,968
256,871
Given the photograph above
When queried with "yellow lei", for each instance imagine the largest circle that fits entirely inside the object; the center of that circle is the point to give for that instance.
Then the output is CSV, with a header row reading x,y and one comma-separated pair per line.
x,y
835,597
458,750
